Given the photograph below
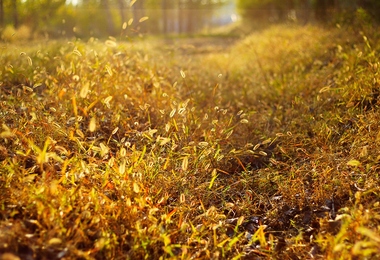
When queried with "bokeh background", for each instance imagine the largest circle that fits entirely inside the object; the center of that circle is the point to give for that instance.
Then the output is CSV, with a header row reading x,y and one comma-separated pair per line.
x,y
36,19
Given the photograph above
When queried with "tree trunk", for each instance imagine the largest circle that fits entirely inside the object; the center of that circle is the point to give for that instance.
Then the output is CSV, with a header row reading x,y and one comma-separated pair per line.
x,y
107,13
121,10
165,18
15,13
304,11
192,16
181,15
138,13
1,13
321,10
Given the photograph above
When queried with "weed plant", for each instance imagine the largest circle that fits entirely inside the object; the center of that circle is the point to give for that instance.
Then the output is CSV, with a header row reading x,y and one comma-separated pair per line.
x,y
266,149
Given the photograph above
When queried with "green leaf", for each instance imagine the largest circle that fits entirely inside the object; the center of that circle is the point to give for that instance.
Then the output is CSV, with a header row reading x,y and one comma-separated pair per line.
x,y
353,163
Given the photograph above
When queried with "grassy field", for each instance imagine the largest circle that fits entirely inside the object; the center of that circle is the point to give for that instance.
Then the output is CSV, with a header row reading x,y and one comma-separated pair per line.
x,y
262,147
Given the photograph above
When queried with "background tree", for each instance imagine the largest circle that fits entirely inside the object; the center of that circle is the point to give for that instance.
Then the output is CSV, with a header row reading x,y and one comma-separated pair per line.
x,y
256,11
121,5
372,7
105,7
101,18
138,13
15,13
9,12
1,13
165,14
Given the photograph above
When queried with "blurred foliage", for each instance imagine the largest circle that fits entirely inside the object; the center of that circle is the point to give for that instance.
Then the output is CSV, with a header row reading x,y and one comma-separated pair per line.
x,y
304,10
102,18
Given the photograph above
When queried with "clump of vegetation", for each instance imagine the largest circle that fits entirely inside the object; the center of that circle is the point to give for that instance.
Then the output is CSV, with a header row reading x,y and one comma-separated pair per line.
x,y
10,34
134,150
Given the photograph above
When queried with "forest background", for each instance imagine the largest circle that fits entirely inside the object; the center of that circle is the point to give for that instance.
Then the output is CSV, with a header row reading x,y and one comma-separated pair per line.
x,y
33,19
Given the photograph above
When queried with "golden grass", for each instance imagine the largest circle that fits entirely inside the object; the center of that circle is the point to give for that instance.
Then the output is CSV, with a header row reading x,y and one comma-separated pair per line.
x,y
268,149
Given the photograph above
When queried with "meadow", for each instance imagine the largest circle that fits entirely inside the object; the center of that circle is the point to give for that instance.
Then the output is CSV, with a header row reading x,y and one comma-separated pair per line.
x,y
257,147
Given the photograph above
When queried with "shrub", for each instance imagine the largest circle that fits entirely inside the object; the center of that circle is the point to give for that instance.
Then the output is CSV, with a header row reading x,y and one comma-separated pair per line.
x,y
8,34
23,33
